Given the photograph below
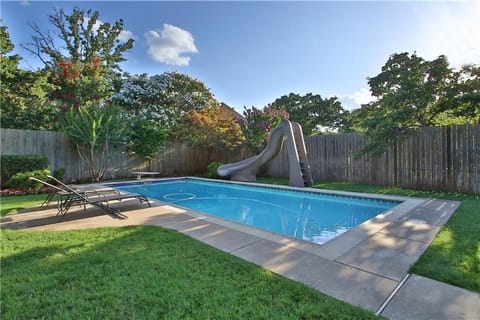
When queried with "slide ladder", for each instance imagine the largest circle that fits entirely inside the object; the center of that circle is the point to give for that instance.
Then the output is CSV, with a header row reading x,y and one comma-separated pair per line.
x,y
302,155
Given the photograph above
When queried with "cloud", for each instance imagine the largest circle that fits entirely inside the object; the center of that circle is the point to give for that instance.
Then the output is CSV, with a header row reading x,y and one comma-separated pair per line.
x,y
452,29
124,35
356,99
168,45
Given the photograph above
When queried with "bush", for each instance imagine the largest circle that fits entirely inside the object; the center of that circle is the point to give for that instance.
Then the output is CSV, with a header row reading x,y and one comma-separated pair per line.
x,y
212,170
20,180
59,173
13,164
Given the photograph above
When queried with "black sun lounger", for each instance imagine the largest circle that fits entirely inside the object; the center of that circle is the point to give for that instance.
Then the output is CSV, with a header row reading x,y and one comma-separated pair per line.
x,y
70,196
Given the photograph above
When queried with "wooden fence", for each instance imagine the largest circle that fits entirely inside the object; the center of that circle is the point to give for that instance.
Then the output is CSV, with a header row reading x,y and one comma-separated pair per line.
x,y
175,160
439,158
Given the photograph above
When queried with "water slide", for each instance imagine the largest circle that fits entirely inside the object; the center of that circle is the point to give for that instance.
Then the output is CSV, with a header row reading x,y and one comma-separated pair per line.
x,y
288,134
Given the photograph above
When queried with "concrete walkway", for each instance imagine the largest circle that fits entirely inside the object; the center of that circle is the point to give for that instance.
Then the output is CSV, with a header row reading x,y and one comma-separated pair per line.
x,y
366,267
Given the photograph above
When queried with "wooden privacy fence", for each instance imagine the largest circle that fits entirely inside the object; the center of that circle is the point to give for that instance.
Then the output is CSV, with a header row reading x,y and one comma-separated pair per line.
x,y
438,158
175,160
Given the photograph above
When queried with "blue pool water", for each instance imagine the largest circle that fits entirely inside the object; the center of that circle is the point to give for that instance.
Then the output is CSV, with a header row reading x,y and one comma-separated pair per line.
x,y
303,215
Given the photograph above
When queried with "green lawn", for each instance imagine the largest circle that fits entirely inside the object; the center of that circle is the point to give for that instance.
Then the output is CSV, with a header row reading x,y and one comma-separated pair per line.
x,y
146,273
150,272
454,255
14,203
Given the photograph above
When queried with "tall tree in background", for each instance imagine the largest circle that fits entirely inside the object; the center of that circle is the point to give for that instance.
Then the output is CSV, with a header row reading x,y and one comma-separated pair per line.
x,y
214,127
86,68
258,123
312,112
410,93
23,102
158,108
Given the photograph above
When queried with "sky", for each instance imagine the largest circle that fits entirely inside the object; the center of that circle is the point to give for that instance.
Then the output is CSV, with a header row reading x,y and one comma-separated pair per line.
x,y
251,53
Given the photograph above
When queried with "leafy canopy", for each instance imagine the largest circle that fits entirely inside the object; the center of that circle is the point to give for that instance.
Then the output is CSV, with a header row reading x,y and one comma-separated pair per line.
x,y
258,123
312,111
411,92
96,130
86,69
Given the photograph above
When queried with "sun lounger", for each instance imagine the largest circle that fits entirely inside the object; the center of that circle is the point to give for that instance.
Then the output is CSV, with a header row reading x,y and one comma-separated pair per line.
x,y
69,196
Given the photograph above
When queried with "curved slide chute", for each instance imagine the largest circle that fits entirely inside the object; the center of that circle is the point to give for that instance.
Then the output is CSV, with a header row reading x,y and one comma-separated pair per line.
x,y
286,133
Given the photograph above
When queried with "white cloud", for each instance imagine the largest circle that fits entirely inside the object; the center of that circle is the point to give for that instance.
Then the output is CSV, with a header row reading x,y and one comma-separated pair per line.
x,y
452,29
25,3
170,44
356,99
124,35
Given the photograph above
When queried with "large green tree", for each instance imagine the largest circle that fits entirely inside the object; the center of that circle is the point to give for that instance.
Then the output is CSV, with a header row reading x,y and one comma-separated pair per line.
x,y
312,111
23,102
86,68
411,92
157,108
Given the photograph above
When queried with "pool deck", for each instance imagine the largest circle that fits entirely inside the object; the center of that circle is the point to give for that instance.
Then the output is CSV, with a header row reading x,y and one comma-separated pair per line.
x,y
367,266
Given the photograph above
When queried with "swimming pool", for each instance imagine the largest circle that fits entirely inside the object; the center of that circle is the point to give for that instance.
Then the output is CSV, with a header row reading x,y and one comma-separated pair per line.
x,y
298,213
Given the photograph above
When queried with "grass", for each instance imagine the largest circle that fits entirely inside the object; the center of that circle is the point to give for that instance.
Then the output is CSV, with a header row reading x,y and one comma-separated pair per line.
x,y
454,256
146,273
12,204
150,272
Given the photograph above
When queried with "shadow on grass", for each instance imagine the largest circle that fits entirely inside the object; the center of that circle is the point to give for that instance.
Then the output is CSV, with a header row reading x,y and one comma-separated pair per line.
x,y
454,255
146,272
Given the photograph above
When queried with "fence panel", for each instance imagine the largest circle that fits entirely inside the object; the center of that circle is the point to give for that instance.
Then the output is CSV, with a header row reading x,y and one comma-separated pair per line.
x,y
174,160
439,158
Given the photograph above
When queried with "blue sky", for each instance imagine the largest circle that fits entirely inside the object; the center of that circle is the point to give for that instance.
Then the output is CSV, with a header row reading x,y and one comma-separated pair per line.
x,y
250,53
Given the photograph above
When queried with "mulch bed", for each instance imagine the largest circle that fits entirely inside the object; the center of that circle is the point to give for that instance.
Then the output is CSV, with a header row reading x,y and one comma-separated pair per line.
x,y
23,192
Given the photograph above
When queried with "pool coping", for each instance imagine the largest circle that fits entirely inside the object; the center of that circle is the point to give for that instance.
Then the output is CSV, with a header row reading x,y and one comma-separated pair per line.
x,y
333,248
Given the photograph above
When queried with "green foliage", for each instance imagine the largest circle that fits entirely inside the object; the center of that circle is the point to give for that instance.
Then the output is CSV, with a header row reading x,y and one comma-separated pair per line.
x,y
95,131
259,123
20,180
212,170
23,96
312,112
411,93
147,137
213,127
13,164
85,69
59,173
84,274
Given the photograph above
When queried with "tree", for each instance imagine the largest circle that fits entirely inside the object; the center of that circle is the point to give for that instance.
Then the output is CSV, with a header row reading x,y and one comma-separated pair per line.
x,y
96,130
88,67
213,127
411,93
157,107
259,123
23,102
312,112
9,76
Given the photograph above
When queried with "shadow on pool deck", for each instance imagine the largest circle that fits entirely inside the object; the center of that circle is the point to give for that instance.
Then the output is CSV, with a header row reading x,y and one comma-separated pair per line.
x,y
364,267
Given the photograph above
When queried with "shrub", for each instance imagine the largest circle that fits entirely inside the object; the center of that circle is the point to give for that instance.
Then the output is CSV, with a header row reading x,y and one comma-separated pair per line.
x,y
20,180
59,173
13,164
212,170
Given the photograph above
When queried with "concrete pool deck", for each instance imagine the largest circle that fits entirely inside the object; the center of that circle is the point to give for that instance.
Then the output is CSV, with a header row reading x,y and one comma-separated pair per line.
x,y
367,267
